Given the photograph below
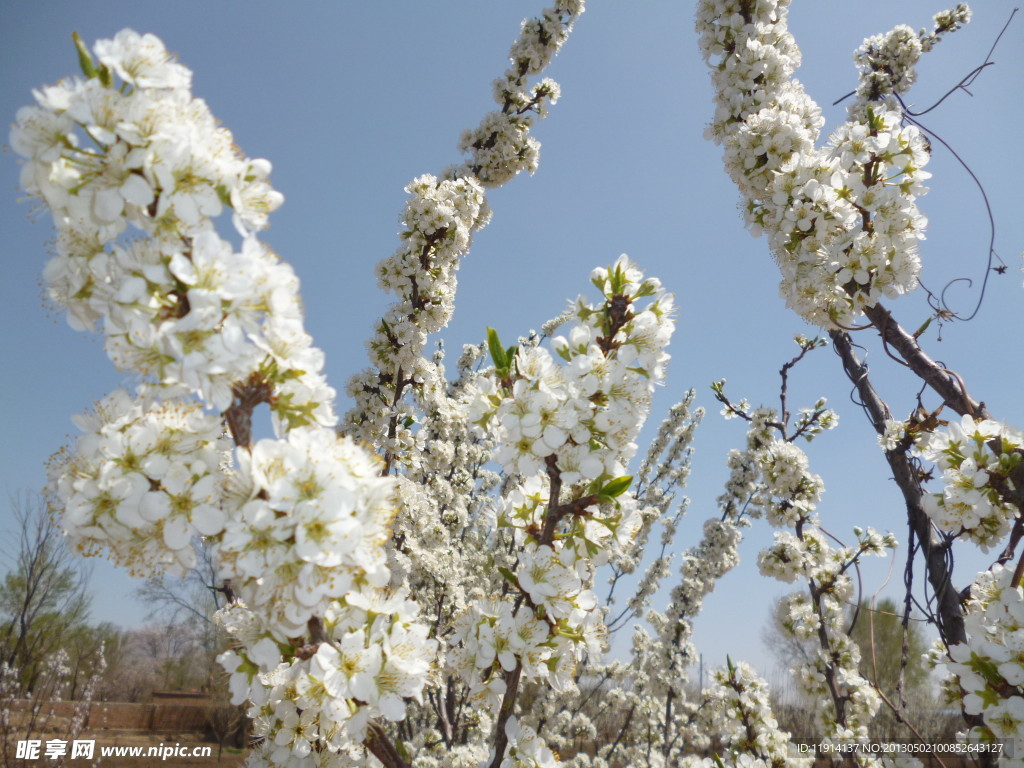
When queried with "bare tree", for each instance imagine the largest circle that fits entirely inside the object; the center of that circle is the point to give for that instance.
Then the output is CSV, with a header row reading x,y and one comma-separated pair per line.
x,y
192,597
45,591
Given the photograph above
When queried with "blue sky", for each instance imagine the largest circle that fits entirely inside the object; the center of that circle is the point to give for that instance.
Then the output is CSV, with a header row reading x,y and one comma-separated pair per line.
x,y
352,100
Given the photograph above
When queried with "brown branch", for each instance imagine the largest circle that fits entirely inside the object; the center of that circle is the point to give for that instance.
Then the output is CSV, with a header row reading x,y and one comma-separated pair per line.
x,y
381,747
508,705
247,395
950,614
949,386
946,384
950,618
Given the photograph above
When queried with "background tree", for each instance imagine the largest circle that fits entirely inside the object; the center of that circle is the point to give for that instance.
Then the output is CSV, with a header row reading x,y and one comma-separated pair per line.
x,y
888,650
44,604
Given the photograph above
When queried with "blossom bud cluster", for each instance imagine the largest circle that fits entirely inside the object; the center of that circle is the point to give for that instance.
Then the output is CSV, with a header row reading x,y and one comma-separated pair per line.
x,y
372,656
887,62
783,490
438,222
989,667
702,566
178,305
142,482
663,654
501,146
842,219
439,219
976,458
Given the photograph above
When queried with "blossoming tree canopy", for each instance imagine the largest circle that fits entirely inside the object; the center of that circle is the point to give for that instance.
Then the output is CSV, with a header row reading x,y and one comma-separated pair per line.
x,y
404,578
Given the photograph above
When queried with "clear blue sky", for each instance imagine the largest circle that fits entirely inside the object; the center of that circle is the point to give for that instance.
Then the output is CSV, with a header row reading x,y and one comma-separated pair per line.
x,y
351,100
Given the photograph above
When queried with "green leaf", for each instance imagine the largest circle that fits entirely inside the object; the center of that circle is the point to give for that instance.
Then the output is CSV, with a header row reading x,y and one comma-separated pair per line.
x,y
496,350
616,487
84,57
986,669
509,576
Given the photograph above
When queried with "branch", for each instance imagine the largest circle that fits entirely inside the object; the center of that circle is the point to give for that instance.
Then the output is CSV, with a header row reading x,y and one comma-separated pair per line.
x,y
382,748
508,705
945,383
950,615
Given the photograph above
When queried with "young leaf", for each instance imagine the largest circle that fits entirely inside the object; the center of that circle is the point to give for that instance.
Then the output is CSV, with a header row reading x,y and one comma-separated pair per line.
x,y
509,576
496,350
616,487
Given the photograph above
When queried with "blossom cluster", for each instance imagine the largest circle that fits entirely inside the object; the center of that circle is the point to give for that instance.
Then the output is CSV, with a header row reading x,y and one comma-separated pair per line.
x,y
371,655
841,218
582,416
639,686
976,457
525,748
988,669
564,432
308,517
143,482
737,709
134,172
177,304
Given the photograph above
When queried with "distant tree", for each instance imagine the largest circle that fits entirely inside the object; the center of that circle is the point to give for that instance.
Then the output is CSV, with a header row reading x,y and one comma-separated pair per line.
x,y
44,602
882,639
189,598
173,656
186,638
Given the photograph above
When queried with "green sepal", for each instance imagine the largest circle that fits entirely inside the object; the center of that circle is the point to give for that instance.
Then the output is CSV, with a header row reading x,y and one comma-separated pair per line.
x,y
84,57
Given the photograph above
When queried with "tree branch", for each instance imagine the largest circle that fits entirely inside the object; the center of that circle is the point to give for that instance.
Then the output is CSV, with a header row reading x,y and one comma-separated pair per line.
x,y
950,614
381,747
